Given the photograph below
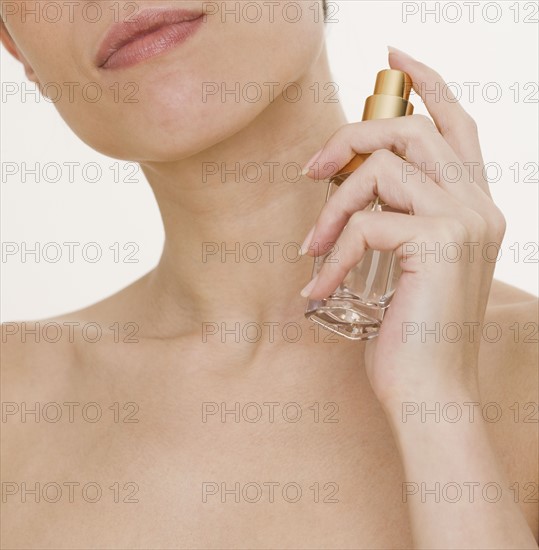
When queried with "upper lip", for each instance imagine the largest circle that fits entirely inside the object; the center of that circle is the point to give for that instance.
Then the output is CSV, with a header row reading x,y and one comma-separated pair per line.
x,y
143,23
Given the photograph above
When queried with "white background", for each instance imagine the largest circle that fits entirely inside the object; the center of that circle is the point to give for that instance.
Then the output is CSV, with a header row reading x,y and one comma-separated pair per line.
x,y
504,52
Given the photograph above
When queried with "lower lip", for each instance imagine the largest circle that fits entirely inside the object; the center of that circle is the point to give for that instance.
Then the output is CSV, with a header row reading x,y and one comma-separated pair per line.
x,y
151,45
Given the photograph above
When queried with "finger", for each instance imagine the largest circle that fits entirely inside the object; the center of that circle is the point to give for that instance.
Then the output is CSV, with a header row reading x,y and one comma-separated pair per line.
x,y
386,231
453,122
395,182
413,137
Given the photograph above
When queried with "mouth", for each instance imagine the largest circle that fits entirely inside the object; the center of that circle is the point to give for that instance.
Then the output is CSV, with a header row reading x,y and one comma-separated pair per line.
x,y
148,34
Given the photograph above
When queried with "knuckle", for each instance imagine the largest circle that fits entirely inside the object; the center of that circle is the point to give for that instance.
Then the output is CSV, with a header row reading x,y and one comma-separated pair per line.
x,y
379,168
420,128
356,221
422,123
451,230
497,222
380,160
381,156
477,226
356,226
469,123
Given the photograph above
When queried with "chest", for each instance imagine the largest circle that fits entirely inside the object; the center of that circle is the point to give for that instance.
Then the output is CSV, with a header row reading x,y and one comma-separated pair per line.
x,y
230,486
152,459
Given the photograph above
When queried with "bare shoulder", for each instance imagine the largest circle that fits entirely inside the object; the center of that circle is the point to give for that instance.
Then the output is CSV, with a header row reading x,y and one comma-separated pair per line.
x,y
55,339
509,338
31,355
509,384
36,351
33,373
44,353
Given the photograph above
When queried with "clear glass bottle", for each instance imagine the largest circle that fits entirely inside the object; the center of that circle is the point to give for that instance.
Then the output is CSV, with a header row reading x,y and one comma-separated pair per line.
x,y
356,309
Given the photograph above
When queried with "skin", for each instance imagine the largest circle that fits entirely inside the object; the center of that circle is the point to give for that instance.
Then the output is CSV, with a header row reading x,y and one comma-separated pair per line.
x,y
171,371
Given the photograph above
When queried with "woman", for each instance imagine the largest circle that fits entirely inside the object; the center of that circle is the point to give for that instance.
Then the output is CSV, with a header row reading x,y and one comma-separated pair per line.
x,y
184,430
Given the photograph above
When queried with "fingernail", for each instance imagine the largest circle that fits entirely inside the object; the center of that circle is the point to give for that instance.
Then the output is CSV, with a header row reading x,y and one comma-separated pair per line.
x,y
306,292
307,243
309,165
396,51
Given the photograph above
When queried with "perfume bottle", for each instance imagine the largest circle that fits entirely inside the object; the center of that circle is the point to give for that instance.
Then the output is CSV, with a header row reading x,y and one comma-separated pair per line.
x,y
356,309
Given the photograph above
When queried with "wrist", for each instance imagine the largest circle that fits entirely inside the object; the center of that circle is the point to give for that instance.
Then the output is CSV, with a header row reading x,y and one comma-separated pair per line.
x,y
448,402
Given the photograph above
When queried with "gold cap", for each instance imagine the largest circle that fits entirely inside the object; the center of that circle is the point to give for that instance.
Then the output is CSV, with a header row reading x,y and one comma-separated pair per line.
x,y
390,100
391,94
393,82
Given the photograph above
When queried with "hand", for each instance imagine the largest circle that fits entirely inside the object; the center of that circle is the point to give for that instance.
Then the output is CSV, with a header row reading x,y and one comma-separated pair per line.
x,y
442,183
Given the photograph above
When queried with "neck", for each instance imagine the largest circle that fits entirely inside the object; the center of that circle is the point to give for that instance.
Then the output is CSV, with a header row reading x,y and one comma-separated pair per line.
x,y
235,215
